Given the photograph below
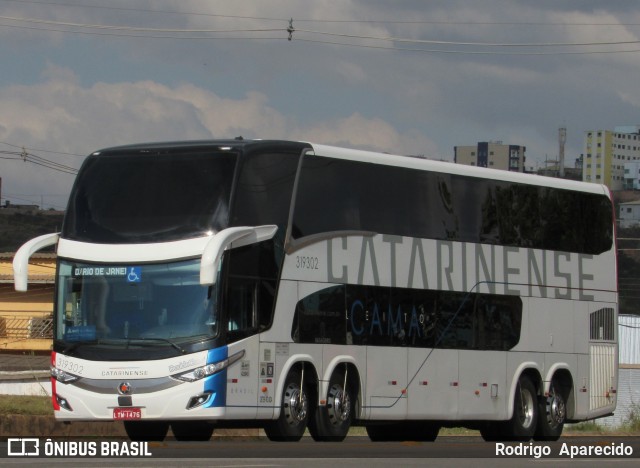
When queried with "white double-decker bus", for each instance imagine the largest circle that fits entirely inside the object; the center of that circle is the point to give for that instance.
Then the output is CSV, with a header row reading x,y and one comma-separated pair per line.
x,y
289,285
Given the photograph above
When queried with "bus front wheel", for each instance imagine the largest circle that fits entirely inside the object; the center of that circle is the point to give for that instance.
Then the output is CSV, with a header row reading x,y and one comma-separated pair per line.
x,y
294,411
332,421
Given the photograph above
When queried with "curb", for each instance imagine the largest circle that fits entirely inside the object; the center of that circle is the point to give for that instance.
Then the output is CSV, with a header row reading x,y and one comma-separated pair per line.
x,y
6,376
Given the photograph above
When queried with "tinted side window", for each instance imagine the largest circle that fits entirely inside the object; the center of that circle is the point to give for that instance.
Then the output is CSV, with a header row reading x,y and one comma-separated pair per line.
x,y
250,279
264,188
342,195
319,318
377,316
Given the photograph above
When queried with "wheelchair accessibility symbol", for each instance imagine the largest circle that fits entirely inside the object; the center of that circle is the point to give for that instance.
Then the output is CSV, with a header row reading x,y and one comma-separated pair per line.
x,y
134,274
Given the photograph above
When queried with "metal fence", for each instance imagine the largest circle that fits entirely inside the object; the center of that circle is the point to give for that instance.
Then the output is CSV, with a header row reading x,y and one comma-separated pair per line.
x,y
24,328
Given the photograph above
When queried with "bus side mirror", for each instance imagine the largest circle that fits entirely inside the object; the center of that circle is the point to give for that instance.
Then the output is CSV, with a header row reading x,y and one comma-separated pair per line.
x,y
230,238
24,253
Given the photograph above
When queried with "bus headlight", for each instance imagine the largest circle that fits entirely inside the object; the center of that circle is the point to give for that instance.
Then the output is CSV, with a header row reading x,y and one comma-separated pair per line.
x,y
209,369
62,376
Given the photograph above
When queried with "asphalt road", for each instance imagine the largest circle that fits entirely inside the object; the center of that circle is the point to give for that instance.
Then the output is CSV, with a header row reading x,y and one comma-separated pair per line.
x,y
355,451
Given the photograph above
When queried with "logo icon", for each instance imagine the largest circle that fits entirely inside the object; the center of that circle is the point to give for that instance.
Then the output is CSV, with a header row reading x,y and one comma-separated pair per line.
x,y
124,388
23,447
134,274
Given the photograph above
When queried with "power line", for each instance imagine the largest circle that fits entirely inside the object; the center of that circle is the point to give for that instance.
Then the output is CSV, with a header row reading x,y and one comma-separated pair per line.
x,y
38,160
141,36
468,52
146,11
458,43
42,150
179,33
330,21
137,29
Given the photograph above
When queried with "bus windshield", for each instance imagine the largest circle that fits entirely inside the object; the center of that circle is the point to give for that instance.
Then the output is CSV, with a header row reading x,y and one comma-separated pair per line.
x,y
156,303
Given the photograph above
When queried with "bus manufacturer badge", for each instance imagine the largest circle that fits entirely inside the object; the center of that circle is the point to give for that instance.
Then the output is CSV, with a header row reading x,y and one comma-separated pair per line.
x,y
124,388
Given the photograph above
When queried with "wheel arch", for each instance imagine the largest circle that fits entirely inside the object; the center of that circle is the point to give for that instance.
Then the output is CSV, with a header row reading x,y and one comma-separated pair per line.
x,y
354,379
527,369
561,374
297,362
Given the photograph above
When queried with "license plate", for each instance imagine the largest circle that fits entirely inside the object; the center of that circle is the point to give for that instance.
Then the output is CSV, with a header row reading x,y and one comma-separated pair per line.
x,y
127,414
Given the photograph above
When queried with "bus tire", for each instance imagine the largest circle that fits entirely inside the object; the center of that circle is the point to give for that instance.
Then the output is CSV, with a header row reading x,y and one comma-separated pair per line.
x,y
294,411
146,431
192,430
522,425
552,413
332,421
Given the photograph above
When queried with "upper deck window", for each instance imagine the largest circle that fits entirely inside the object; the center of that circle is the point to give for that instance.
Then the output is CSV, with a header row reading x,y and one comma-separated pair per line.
x,y
150,196
342,195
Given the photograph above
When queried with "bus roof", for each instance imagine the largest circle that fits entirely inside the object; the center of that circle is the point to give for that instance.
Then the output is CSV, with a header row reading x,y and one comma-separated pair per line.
x,y
375,158
452,168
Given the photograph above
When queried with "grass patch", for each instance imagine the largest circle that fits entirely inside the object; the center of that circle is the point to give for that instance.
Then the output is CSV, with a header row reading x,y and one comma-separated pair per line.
x,y
590,427
632,424
26,405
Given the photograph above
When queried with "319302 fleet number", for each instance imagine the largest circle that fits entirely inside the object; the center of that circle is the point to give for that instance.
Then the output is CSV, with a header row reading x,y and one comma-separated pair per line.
x,y
307,263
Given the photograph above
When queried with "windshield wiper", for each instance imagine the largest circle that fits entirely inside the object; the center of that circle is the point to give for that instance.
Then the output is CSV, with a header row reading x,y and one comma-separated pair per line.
x,y
173,345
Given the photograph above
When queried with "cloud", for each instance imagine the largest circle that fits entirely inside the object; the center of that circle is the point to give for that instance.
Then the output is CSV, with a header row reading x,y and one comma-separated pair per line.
x,y
60,114
356,131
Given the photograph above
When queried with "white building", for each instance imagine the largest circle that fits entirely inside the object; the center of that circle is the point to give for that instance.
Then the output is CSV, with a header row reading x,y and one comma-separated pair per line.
x,y
628,390
632,175
629,214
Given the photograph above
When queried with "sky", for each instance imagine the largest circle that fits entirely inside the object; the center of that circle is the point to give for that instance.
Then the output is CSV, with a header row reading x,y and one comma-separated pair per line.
x,y
402,76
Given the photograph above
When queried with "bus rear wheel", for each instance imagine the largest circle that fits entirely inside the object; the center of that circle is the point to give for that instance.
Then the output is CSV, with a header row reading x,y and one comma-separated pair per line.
x,y
522,426
332,421
294,411
143,431
552,413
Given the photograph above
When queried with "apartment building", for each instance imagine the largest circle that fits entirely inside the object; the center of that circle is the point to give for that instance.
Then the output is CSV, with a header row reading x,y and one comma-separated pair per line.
x,y
495,155
607,151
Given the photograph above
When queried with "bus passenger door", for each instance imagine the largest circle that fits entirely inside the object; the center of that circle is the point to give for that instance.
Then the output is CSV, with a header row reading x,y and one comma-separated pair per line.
x,y
248,306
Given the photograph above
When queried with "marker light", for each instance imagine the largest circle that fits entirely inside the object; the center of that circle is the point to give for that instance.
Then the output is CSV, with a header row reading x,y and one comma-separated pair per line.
x,y
62,376
63,403
209,369
199,400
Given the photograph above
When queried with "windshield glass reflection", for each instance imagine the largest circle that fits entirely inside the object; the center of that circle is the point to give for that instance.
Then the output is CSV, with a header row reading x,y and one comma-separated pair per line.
x,y
151,303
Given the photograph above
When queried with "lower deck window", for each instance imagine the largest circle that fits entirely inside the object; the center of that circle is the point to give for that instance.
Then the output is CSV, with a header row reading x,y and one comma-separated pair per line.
x,y
377,316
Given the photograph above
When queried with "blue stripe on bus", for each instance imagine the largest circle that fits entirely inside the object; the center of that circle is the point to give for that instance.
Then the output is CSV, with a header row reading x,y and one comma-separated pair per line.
x,y
216,384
